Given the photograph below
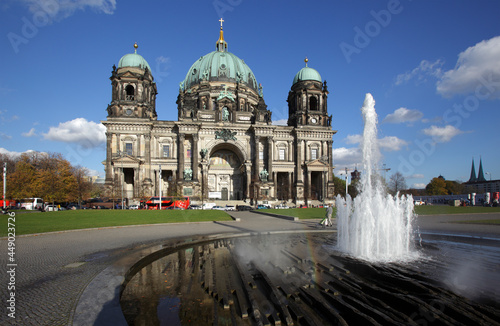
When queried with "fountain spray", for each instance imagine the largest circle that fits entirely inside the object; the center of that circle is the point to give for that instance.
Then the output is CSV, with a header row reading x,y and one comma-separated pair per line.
x,y
375,226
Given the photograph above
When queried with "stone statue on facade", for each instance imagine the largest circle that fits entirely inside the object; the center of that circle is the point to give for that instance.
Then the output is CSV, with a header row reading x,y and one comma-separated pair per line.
x,y
263,175
188,174
203,153
225,114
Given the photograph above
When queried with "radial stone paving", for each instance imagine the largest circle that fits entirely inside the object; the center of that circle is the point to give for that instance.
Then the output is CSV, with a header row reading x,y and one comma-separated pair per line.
x,y
294,279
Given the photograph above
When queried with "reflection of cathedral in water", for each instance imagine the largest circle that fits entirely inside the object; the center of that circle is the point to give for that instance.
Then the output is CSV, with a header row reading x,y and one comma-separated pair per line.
x,y
223,144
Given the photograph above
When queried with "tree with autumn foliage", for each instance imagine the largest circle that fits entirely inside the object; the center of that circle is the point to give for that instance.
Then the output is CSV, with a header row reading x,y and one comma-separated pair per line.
x,y
436,187
45,175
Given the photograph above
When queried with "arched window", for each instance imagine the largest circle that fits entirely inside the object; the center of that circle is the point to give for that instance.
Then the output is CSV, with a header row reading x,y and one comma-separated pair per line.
x,y
130,93
313,103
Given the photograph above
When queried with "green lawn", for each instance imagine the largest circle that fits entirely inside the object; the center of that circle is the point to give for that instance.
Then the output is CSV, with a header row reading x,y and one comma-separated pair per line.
x,y
491,222
311,213
302,213
445,209
36,222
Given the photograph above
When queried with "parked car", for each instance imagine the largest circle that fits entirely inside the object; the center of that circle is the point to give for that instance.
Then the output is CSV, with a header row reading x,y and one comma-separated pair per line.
x,y
229,208
281,206
51,208
261,206
174,208
219,208
243,208
133,207
194,207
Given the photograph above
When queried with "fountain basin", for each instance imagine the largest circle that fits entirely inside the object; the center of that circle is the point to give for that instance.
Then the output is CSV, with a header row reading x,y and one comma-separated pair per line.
x,y
302,279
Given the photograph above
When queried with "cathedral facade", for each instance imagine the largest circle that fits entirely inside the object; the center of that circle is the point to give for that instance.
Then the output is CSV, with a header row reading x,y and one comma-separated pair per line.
x,y
223,145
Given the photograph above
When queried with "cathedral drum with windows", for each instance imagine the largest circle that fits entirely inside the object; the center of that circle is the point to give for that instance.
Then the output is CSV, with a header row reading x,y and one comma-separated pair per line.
x,y
223,145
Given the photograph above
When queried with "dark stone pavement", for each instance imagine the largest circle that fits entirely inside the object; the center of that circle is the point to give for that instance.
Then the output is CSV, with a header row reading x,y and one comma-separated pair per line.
x,y
68,278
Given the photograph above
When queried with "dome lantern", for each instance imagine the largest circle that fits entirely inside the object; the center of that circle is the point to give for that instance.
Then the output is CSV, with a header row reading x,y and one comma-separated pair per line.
x,y
133,60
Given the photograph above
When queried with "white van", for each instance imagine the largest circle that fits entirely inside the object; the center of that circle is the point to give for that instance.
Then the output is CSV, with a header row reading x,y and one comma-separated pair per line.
x,y
208,205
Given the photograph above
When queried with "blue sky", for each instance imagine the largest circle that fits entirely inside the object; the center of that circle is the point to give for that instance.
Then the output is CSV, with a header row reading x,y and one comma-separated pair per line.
x,y
433,68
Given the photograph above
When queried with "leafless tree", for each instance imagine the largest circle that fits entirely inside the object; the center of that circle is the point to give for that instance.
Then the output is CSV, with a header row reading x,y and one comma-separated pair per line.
x,y
397,183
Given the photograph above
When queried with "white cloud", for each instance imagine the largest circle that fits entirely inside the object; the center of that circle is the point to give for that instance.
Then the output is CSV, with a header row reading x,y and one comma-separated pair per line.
x,y
391,143
5,136
354,139
88,134
402,115
346,157
477,70
418,186
281,122
420,73
388,143
12,153
59,9
30,133
416,176
442,134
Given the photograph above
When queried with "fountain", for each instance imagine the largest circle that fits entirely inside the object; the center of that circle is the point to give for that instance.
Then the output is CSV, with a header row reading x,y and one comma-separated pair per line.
x,y
374,226
316,278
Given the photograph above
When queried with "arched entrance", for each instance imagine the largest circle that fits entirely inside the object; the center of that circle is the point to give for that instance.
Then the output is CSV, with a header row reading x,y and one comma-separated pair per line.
x,y
225,176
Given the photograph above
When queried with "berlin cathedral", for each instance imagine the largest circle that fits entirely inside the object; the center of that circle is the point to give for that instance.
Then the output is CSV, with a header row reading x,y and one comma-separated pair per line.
x,y
223,145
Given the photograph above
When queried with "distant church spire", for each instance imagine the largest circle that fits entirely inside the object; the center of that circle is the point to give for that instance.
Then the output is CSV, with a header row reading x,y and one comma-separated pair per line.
x,y
472,173
480,174
221,45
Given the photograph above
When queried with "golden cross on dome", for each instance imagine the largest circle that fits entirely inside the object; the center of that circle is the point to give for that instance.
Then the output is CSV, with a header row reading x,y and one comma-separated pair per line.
x,y
221,21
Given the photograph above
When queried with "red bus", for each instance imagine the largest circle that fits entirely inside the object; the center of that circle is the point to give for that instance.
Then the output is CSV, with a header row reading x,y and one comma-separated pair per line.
x,y
8,203
167,203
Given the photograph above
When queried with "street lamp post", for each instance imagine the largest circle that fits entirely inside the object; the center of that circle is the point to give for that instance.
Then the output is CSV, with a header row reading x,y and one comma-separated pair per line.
x,y
4,182
346,184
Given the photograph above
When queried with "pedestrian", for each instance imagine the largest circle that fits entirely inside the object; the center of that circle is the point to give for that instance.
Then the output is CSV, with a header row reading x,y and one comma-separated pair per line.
x,y
327,220
328,215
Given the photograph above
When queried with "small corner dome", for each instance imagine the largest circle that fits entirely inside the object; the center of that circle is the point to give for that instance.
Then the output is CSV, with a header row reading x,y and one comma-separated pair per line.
x,y
307,73
133,60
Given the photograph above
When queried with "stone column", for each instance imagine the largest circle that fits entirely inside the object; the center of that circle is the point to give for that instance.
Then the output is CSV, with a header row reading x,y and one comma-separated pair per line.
x,y
137,183
300,160
147,154
180,158
270,158
109,153
248,170
309,185
275,179
257,157
290,186
194,157
330,160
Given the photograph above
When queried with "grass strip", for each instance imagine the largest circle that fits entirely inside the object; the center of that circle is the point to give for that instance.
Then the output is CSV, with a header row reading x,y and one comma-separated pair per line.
x,y
36,222
485,222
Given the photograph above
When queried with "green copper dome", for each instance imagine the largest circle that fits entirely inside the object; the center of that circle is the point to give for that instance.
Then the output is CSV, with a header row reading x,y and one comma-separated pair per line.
x,y
307,73
219,66
133,60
